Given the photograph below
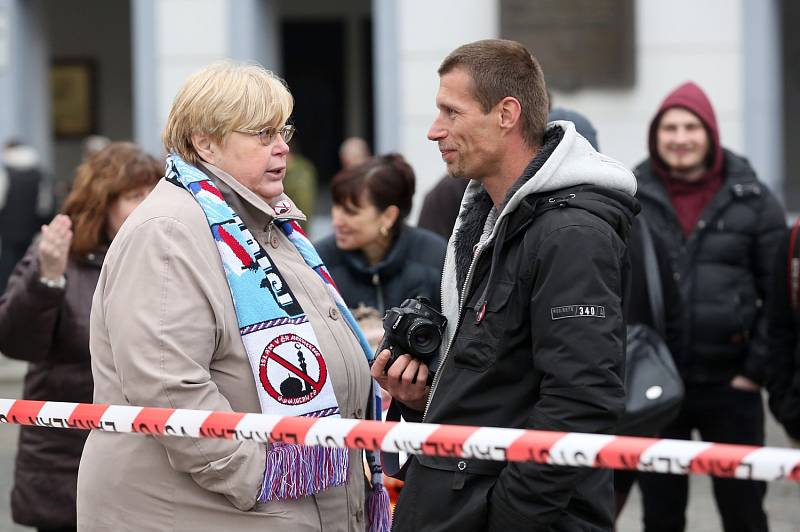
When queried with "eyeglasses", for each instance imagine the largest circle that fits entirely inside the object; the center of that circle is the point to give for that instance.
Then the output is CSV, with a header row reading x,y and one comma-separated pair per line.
x,y
268,134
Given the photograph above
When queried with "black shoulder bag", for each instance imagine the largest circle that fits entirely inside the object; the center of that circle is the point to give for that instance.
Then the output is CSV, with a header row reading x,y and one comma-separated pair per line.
x,y
653,386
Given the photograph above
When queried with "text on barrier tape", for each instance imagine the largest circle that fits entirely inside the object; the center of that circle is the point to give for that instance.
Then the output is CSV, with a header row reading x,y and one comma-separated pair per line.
x,y
678,457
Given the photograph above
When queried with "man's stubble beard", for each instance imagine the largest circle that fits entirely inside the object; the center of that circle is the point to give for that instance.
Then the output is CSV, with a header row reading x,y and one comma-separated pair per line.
x,y
457,170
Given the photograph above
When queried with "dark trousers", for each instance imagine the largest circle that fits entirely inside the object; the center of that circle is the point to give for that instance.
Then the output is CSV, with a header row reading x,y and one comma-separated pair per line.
x,y
623,483
721,414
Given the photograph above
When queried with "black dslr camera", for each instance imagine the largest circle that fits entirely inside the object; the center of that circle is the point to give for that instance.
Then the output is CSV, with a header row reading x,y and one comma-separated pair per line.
x,y
415,327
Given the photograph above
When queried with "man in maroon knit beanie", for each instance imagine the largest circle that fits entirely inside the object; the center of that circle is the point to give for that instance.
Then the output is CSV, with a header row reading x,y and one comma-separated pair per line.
x,y
722,226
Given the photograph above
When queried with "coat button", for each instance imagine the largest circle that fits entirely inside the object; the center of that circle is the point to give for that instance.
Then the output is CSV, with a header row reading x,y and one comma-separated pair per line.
x,y
359,413
333,313
273,241
360,514
676,276
462,465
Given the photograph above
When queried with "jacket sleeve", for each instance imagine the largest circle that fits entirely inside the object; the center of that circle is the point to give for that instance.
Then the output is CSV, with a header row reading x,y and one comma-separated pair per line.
x,y
771,227
580,360
29,311
782,332
164,322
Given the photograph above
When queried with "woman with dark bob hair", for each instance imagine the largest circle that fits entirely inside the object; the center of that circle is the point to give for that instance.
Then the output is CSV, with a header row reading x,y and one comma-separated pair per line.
x,y
44,319
375,258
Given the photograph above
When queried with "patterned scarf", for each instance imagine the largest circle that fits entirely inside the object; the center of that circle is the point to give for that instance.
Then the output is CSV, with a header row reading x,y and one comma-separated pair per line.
x,y
288,365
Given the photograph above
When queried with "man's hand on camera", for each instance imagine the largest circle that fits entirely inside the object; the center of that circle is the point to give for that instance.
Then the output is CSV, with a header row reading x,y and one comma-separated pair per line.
x,y
400,380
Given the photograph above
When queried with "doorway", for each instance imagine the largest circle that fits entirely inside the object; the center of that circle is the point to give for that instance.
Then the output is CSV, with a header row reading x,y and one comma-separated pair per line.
x,y
313,60
320,61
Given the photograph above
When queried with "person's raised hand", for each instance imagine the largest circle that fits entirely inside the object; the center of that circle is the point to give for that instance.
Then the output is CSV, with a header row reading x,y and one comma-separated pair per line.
x,y
54,247
405,380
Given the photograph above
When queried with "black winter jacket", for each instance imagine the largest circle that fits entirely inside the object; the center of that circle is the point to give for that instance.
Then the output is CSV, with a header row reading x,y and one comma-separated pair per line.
x,y
49,328
783,369
411,268
546,351
723,268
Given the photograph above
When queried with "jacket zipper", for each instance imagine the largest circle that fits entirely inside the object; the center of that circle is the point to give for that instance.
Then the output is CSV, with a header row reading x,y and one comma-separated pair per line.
x,y
462,300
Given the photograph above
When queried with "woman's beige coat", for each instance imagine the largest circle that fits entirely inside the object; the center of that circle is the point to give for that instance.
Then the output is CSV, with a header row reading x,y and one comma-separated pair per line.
x,y
164,333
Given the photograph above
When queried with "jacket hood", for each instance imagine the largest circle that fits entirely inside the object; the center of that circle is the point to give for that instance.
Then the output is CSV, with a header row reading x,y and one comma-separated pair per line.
x,y
738,174
22,162
565,160
566,164
691,97
615,208
20,157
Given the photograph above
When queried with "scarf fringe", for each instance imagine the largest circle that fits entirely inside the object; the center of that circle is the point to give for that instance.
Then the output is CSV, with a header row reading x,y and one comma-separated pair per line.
x,y
297,471
379,509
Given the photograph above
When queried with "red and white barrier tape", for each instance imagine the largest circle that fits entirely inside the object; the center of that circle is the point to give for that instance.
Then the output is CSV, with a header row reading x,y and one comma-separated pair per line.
x,y
485,443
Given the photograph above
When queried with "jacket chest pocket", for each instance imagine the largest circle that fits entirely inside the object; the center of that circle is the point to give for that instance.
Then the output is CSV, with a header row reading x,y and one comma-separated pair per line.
x,y
482,333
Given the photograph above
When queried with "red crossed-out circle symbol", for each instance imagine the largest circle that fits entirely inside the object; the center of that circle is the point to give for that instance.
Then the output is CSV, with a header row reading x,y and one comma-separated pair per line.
x,y
282,352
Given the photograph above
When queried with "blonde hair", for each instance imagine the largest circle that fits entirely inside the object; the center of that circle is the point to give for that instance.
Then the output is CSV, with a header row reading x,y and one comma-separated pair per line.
x,y
221,98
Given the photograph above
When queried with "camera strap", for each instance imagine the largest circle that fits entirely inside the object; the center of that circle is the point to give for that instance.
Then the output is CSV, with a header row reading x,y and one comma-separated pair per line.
x,y
391,461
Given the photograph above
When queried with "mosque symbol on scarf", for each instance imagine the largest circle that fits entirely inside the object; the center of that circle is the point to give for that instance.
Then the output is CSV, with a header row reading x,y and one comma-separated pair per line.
x,y
292,387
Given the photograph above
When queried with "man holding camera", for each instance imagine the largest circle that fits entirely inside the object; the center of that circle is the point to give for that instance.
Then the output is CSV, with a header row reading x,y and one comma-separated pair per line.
x,y
532,291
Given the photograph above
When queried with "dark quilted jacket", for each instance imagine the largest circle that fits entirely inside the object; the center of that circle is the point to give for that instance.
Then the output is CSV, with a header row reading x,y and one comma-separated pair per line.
x,y
723,268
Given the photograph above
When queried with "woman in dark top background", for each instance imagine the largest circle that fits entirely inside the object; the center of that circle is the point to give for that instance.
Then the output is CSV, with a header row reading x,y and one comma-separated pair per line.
x,y
375,259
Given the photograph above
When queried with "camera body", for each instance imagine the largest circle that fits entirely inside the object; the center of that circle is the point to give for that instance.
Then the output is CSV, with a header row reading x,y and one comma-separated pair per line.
x,y
415,328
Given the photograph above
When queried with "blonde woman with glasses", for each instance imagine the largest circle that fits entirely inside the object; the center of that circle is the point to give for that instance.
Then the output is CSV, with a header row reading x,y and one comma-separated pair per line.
x,y
212,298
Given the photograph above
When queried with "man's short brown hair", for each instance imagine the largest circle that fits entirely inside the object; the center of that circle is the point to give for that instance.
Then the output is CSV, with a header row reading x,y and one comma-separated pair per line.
x,y
501,68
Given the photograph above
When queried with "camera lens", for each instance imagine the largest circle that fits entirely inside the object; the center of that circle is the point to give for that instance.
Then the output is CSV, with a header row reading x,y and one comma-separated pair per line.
x,y
424,337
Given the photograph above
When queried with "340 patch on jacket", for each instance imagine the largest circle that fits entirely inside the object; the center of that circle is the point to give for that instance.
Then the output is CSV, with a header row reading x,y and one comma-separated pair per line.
x,y
577,311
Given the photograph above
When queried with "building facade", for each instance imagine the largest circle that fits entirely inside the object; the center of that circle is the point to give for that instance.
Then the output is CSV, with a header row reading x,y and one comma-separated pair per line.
x,y
368,68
